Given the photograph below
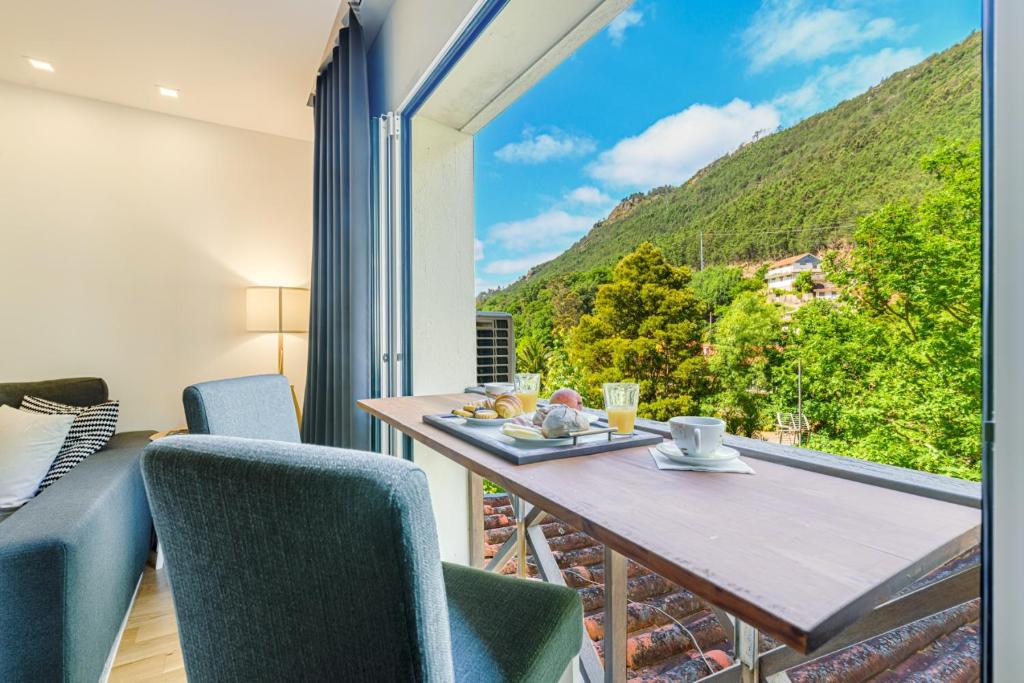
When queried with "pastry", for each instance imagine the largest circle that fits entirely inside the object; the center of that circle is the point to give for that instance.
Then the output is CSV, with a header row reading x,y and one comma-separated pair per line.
x,y
482,414
508,405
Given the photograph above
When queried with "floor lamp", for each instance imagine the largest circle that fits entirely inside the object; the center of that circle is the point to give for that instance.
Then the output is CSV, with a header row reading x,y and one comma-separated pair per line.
x,y
280,310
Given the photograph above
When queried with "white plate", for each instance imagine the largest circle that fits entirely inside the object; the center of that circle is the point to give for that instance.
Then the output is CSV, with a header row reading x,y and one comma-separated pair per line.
x,y
723,454
538,443
480,422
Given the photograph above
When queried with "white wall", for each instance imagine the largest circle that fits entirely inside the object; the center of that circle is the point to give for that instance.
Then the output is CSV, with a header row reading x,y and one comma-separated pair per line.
x,y
413,34
443,305
127,238
1007,474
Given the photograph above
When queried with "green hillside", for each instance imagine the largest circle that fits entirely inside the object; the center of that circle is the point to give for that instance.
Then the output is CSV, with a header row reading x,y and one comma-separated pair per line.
x,y
798,189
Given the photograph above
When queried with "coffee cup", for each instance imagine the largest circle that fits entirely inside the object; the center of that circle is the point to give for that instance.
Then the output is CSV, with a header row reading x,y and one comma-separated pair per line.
x,y
697,437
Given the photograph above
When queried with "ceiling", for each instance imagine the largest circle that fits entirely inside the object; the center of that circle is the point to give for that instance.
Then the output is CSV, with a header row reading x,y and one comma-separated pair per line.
x,y
244,63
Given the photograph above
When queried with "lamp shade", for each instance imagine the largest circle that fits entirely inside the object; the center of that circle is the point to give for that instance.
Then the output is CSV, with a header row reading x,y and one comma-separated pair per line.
x,y
276,309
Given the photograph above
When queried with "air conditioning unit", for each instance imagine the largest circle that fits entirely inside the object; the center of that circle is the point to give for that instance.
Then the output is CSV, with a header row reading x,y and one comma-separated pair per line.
x,y
495,347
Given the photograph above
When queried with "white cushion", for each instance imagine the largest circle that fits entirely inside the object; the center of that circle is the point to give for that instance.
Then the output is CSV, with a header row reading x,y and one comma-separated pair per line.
x,y
29,442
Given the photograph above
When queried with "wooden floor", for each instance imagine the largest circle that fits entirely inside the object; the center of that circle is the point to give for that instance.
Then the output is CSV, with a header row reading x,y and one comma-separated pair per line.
x,y
149,649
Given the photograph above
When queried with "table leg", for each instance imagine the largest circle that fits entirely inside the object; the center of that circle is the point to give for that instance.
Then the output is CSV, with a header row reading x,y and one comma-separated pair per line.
x,y
476,520
747,652
522,509
615,633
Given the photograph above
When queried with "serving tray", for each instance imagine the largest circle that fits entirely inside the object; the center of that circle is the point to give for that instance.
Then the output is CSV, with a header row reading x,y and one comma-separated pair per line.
x,y
492,440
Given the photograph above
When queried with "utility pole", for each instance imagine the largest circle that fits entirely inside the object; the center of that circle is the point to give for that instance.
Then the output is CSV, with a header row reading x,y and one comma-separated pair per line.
x,y
702,250
800,402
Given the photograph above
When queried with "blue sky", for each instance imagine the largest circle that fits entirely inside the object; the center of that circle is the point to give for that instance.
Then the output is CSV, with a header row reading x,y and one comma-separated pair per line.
x,y
667,88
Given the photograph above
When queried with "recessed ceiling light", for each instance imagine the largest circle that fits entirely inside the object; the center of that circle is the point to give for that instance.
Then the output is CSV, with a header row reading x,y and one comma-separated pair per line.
x,y
40,64
167,92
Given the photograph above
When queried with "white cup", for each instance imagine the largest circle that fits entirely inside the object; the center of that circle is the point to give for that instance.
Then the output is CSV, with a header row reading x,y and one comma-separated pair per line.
x,y
697,437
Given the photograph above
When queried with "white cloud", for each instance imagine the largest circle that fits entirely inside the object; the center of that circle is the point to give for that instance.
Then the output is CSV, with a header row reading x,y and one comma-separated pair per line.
x,y
478,250
622,23
482,285
519,265
588,195
554,226
536,148
790,31
835,84
671,150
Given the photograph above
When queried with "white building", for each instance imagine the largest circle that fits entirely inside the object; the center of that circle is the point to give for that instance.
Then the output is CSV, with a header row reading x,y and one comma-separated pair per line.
x,y
784,272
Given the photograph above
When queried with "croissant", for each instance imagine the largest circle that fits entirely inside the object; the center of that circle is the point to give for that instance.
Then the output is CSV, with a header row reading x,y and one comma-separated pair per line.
x,y
508,405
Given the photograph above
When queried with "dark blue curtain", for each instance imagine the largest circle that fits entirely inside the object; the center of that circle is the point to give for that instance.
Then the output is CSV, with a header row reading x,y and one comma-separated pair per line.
x,y
340,306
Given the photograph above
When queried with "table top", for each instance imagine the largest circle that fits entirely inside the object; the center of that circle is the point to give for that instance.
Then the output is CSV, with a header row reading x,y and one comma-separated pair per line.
x,y
797,554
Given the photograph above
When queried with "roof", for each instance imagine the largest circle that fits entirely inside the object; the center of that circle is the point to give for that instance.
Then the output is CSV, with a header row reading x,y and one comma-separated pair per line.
x,y
790,260
943,646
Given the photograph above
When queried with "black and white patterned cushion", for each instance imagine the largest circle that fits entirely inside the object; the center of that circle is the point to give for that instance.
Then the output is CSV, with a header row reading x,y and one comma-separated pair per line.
x,y
91,430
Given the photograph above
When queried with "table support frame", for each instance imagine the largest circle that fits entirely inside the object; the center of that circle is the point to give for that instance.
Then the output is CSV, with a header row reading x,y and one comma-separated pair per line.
x,y
752,665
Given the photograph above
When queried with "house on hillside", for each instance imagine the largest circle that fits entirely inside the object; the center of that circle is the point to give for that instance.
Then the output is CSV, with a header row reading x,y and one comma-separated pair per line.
x,y
783,273
783,281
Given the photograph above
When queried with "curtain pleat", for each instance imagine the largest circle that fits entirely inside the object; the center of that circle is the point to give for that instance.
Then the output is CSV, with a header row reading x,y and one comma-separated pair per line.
x,y
339,367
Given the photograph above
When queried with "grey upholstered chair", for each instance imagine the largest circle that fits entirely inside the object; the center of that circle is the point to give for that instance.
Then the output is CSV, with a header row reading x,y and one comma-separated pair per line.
x,y
290,563
256,407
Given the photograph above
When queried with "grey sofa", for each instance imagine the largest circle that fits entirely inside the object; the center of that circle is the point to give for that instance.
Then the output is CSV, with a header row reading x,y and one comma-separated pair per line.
x,y
70,558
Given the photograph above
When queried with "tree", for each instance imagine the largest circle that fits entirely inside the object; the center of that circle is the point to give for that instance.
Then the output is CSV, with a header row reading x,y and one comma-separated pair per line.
x,y
531,356
803,283
913,288
646,328
717,286
746,346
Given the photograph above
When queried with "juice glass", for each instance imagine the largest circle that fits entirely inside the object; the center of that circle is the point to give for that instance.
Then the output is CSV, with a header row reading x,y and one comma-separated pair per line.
x,y
527,387
620,402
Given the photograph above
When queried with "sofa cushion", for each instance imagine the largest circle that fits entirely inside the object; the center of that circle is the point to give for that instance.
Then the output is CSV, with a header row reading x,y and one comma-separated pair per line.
x,y
76,391
29,442
91,430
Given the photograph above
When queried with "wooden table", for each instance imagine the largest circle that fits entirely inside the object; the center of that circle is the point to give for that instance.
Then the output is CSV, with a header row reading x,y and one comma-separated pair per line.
x,y
808,558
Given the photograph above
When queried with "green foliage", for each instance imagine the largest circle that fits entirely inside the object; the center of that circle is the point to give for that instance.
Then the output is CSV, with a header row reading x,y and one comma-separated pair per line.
x,y
717,286
803,283
894,373
531,356
646,328
747,346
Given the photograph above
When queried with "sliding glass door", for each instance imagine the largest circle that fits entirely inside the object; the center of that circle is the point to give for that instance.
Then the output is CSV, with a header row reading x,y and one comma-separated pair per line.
x,y
387,325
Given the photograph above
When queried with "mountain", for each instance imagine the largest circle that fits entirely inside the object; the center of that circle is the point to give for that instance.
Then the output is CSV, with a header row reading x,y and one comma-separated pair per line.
x,y
801,188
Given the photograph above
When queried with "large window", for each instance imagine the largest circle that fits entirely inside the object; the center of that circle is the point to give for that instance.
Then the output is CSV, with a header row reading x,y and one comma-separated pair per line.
x,y
765,211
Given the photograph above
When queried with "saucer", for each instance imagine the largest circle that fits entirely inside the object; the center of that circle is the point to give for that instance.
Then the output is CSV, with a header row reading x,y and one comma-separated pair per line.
x,y
723,454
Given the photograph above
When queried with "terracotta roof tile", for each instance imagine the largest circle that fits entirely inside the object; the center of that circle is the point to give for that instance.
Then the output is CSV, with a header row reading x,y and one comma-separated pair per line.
x,y
789,260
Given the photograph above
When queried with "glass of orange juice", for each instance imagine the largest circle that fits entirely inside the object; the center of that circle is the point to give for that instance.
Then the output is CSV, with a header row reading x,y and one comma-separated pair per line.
x,y
526,389
620,402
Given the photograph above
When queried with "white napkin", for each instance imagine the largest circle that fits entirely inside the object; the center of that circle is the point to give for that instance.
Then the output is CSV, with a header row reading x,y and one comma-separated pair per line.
x,y
666,463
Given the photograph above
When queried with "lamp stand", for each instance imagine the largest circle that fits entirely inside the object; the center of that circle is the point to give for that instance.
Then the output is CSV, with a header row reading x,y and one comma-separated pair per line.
x,y
280,371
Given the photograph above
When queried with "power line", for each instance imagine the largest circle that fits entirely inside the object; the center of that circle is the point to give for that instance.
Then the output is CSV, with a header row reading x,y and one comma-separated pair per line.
x,y
780,231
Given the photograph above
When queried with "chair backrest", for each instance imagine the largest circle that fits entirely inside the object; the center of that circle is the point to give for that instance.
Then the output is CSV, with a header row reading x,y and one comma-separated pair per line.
x,y
256,407
291,562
